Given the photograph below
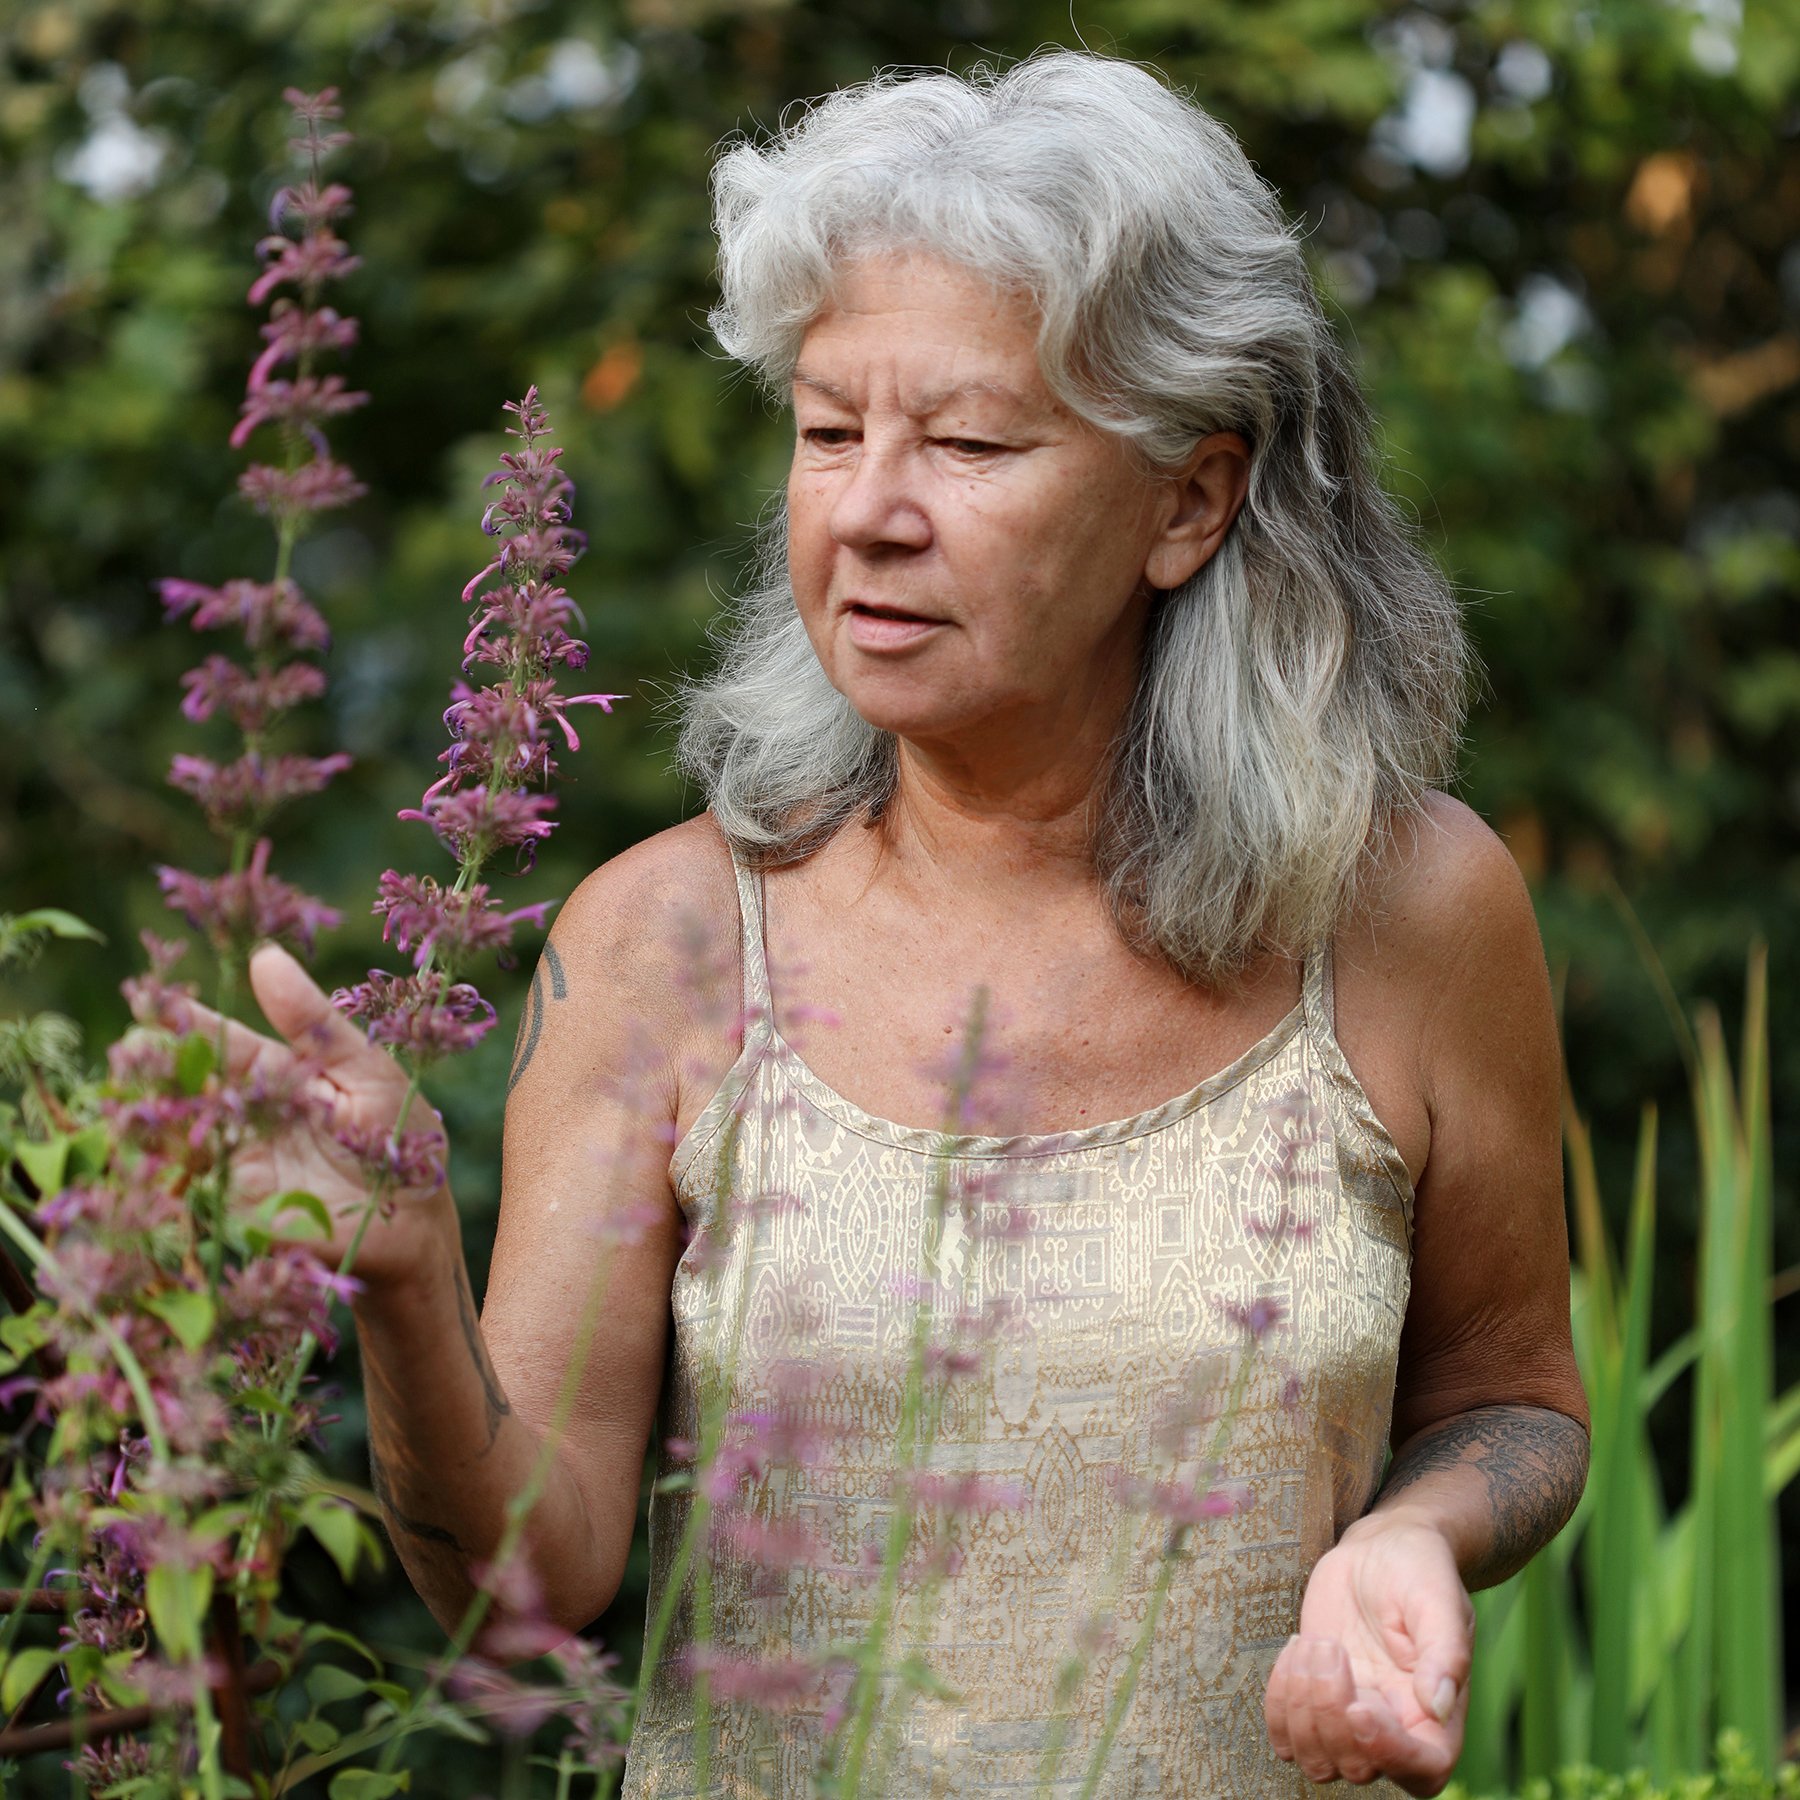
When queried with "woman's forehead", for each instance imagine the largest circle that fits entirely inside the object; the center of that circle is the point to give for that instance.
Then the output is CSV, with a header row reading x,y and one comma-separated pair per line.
x,y
938,332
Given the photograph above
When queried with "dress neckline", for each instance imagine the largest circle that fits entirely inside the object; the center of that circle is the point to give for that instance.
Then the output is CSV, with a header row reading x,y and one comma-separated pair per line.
x,y
762,1038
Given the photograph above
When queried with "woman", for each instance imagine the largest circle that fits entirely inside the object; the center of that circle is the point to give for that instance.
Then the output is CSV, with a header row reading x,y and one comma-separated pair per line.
x,y
1092,670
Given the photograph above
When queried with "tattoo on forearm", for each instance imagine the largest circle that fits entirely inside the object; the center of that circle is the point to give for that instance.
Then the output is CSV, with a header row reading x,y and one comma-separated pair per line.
x,y
1533,1463
493,1395
531,1025
414,1528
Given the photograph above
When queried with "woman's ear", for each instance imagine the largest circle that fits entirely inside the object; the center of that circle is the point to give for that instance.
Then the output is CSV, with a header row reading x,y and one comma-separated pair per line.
x,y
1205,494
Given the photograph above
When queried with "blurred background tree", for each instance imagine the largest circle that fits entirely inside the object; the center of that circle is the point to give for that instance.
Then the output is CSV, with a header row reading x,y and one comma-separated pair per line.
x,y
1563,239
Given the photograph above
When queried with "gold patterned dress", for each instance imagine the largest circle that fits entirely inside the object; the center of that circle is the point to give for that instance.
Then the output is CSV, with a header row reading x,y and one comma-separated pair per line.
x,y
1251,1237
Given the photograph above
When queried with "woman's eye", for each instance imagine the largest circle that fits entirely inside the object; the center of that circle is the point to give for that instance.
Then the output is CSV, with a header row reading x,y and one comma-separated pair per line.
x,y
828,437
970,446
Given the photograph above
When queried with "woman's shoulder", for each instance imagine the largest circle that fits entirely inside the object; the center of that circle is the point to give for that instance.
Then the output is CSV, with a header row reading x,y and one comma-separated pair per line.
x,y
1442,883
1439,960
658,923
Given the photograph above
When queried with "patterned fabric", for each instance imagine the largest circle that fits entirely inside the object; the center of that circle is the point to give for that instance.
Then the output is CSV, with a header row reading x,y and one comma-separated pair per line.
x,y
1130,1261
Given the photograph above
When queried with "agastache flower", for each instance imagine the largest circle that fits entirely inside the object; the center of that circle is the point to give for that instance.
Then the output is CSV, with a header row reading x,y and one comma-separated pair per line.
x,y
490,797
425,1014
247,907
420,912
271,614
274,617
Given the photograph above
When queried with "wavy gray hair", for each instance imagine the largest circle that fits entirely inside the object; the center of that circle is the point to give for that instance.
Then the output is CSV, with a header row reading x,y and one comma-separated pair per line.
x,y
1296,696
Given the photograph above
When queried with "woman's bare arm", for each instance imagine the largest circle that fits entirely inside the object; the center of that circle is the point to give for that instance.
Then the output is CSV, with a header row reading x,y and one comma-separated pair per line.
x,y
1490,1421
612,1053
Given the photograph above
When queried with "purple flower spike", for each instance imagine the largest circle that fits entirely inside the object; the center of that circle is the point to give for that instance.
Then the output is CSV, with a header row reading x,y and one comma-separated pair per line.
x,y
270,614
424,1014
491,795
451,924
247,907
241,794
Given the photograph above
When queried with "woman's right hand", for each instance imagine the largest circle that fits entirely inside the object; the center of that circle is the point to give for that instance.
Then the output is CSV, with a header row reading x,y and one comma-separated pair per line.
x,y
356,1091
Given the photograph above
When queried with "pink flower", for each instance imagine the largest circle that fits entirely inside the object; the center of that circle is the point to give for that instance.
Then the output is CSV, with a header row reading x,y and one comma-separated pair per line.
x,y
305,402
424,1014
317,257
317,486
248,698
247,907
292,331
413,1162
244,792
269,613
514,1707
1257,1319
774,1684
438,919
479,820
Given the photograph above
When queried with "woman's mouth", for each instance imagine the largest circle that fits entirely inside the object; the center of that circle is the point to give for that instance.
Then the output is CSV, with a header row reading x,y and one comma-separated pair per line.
x,y
877,627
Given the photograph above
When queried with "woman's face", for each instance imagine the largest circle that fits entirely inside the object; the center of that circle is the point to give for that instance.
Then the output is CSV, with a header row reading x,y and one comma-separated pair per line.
x,y
970,558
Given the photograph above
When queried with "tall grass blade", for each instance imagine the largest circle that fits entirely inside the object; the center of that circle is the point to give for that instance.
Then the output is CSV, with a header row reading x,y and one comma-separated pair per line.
x,y
1748,1583
1616,1551
1543,1724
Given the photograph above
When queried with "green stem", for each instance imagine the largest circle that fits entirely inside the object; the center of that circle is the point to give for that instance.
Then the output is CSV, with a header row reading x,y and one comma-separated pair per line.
x,y
916,1414
1172,1556
715,1415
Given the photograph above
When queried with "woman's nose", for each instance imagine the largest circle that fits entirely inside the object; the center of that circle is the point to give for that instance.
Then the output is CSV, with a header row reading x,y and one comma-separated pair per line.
x,y
879,504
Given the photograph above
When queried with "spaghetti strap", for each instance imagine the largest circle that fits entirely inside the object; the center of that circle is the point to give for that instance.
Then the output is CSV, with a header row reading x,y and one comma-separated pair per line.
x,y
1318,989
757,1003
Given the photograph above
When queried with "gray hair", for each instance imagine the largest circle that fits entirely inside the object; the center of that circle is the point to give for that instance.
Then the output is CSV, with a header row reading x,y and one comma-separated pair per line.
x,y
1306,687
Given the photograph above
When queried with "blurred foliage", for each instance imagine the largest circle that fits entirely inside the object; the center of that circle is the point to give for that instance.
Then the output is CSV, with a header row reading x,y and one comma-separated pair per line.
x,y
1737,1776
1562,239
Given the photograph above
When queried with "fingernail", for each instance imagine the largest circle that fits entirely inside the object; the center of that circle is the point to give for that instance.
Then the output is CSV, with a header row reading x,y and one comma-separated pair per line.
x,y
1444,1699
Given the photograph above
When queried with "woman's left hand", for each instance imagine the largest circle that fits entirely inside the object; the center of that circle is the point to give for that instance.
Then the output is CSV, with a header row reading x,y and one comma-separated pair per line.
x,y
1376,1682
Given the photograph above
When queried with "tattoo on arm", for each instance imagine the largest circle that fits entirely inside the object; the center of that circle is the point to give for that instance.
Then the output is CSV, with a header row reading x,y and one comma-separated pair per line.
x,y
531,1024
1533,1463
414,1528
493,1395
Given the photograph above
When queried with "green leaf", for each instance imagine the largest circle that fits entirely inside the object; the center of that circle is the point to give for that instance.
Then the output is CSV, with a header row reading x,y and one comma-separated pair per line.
x,y
57,923
329,1682
187,1312
44,1163
320,1633
196,1057
317,1734
89,1149
22,1333
368,1784
177,1599
24,1670
309,1206
336,1527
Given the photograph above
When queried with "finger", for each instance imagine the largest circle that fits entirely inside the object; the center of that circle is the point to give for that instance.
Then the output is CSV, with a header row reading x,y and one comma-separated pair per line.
x,y
1321,1681
1277,1698
1333,1692
1422,1764
1420,1760
298,1008
246,1051
1441,1623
